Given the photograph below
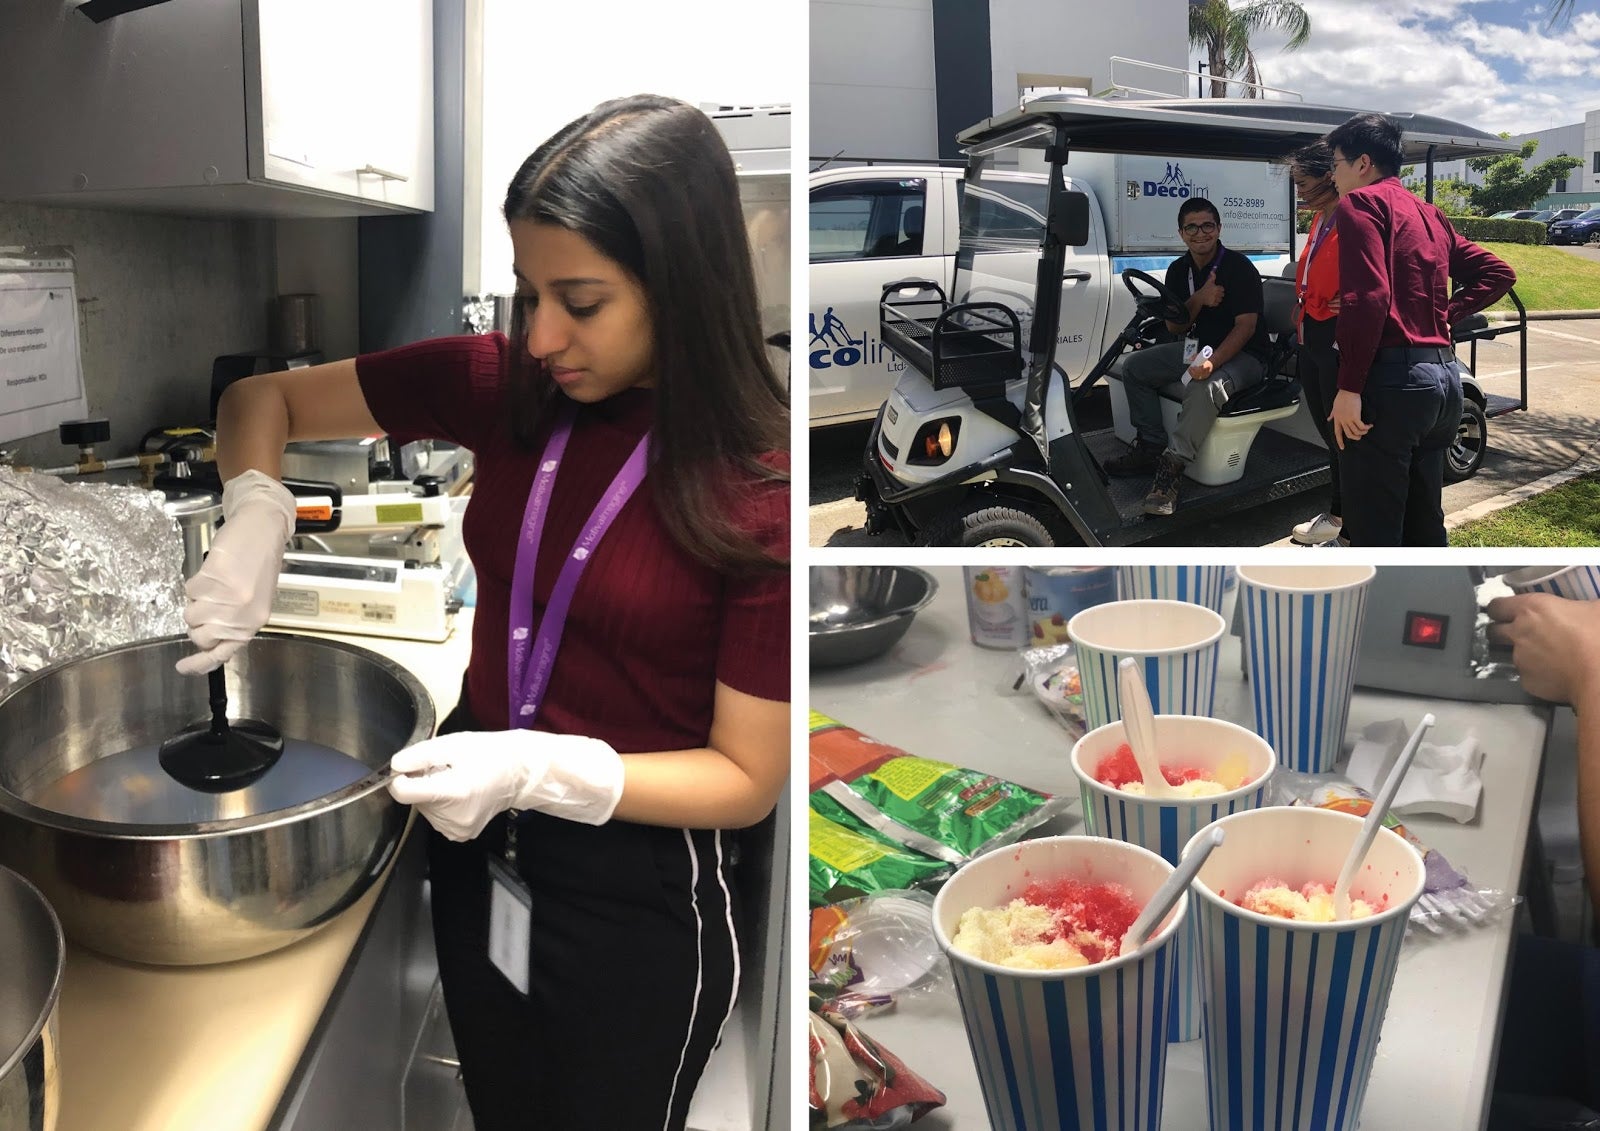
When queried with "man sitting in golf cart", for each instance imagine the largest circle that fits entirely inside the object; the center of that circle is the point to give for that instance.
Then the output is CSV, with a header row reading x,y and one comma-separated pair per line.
x,y
1222,291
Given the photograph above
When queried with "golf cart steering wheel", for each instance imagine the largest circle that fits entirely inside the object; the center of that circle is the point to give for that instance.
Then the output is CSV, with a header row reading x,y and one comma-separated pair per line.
x,y
1163,304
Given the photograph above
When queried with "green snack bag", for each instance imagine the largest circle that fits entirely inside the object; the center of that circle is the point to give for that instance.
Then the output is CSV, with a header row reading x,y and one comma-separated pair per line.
x,y
845,864
936,808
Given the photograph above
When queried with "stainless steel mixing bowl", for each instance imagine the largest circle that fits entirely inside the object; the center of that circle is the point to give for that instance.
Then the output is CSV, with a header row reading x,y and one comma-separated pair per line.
x,y
222,889
32,955
858,612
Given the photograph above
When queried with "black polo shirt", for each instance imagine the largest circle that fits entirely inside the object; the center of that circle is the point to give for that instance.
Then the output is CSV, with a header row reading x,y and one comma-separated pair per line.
x,y
1241,294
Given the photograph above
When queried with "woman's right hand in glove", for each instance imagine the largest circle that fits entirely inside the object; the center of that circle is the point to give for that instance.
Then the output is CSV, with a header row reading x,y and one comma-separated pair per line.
x,y
231,597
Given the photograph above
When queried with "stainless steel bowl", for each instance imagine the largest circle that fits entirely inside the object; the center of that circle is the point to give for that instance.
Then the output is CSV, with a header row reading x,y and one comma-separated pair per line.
x,y
858,612
32,956
218,889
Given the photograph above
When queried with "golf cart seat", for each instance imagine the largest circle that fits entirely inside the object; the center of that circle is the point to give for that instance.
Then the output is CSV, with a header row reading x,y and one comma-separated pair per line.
x,y
1222,456
1473,326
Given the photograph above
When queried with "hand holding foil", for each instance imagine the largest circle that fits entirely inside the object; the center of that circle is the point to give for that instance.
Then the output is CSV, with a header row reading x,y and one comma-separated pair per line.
x,y
230,597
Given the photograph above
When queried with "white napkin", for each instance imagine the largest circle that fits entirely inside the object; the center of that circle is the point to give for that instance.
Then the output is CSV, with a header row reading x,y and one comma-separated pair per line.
x,y
1442,779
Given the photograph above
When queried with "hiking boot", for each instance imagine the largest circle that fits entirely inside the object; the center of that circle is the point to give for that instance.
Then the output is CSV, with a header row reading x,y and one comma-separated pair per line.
x,y
1317,531
1163,496
1140,459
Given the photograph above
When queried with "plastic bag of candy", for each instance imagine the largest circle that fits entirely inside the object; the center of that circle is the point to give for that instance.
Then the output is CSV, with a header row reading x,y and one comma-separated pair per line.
x,y
844,862
1050,675
856,1082
936,808
1449,901
866,952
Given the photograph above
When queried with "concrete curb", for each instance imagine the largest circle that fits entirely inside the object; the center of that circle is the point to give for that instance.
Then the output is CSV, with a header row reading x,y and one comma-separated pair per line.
x,y
1589,461
1541,315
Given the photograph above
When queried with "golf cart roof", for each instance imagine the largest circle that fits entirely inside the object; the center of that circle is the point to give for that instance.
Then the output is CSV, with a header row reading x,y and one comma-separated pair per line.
x,y
1234,128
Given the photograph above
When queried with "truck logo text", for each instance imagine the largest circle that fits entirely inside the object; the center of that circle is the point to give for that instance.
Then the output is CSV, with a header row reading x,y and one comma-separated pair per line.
x,y
832,346
1174,185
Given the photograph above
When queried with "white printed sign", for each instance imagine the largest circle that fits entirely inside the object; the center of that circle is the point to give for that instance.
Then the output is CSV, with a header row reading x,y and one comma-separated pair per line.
x,y
41,373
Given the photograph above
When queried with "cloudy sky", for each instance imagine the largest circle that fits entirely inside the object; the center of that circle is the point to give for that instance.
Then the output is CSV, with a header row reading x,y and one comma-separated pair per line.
x,y
1487,63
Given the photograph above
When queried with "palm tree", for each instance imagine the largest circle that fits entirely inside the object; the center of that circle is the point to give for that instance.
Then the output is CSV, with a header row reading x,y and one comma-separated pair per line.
x,y
1225,33
1560,13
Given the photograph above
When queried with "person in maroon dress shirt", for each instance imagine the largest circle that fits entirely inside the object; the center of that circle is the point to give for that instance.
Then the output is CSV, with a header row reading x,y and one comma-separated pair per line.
x,y
625,704
1399,401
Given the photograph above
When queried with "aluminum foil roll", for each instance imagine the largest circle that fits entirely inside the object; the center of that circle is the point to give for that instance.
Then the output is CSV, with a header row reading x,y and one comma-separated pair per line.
x,y
83,567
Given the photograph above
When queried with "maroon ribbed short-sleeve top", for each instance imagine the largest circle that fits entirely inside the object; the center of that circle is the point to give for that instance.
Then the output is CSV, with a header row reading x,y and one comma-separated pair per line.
x,y
651,630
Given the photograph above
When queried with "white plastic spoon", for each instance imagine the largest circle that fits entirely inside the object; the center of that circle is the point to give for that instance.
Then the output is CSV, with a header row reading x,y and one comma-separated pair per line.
x,y
1369,828
1166,896
1139,722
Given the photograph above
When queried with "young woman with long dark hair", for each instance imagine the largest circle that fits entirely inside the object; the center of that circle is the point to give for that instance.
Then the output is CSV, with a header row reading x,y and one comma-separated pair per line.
x,y
1316,289
626,699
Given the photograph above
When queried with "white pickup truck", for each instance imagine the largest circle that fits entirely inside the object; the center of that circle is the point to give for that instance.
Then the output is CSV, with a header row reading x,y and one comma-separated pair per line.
x,y
871,224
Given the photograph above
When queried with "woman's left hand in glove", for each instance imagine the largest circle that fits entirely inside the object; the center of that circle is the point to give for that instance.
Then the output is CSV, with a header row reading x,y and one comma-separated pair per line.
x,y
461,781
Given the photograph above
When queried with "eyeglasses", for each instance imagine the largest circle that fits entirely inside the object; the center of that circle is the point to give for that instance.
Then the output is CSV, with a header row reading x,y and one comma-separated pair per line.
x,y
1198,229
1337,161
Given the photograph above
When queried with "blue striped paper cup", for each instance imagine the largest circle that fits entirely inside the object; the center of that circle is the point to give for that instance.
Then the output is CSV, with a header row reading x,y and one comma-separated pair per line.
x,y
1575,583
1293,1010
1197,584
1175,642
1302,634
1065,1048
1164,825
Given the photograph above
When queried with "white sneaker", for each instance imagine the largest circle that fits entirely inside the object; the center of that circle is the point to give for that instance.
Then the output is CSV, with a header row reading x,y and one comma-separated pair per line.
x,y
1317,531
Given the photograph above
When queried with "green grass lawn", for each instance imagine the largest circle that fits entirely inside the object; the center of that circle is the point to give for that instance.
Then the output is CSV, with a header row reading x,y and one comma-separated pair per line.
x,y
1549,278
1568,515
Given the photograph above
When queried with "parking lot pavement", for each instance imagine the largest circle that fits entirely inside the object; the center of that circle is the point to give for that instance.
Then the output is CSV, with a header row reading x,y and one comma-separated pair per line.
x,y
1560,427
1589,251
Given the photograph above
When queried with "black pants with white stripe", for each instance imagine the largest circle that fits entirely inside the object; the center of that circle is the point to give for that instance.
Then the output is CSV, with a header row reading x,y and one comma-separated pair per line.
x,y
632,974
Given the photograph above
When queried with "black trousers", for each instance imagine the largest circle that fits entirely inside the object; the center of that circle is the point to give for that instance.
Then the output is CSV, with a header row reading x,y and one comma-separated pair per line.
x,y
1550,1041
1392,478
632,971
1317,369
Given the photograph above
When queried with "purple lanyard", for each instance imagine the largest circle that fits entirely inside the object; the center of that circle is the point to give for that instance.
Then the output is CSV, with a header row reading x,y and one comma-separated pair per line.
x,y
1318,234
1194,283
529,663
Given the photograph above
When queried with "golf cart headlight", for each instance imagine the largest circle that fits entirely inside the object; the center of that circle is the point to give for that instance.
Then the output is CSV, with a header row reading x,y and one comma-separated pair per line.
x,y
935,441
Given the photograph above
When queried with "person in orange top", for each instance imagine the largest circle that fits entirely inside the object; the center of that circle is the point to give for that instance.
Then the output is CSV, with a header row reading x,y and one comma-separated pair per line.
x,y
1316,288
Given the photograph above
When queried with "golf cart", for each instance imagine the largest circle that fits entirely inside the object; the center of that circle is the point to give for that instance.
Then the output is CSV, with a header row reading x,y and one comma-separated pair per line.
x,y
980,443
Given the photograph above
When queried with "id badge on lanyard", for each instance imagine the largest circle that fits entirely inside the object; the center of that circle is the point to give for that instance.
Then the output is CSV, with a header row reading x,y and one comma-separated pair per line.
x,y
1191,344
530,657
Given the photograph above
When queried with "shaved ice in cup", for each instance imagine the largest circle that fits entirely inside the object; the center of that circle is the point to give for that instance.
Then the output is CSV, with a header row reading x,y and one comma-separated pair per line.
x,y
1296,1048
1215,751
1076,1046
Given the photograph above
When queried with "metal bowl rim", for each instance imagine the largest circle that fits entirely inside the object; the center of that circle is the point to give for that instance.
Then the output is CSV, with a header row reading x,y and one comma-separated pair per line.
x,y
378,779
54,997
877,622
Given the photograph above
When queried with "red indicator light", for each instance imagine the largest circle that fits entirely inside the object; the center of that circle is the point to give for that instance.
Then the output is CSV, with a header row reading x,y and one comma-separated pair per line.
x,y
1424,630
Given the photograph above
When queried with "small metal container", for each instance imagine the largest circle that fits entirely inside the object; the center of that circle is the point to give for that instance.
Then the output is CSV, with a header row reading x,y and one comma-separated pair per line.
x,y
33,955
295,323
859,612
197,513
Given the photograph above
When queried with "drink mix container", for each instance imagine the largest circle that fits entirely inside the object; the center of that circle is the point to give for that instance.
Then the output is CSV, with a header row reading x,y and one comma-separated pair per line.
x,y
1056,594
997,609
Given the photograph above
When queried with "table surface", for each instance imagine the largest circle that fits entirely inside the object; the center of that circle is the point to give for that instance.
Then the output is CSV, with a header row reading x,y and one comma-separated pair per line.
x,y
939,696
212,1048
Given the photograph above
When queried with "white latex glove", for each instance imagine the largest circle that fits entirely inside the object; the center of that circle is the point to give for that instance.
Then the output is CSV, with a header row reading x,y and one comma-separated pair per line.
x,y
231,597
462,781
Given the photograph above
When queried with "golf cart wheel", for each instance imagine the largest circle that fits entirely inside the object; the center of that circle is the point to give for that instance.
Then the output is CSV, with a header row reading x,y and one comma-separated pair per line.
x,y
980,523
1463,458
